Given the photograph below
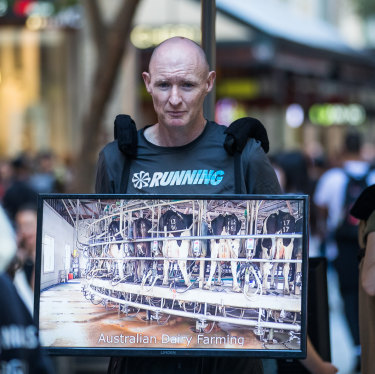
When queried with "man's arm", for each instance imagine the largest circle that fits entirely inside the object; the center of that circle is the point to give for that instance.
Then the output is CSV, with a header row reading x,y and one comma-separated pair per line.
x,y
109,169
315,364
102,182
259,176
368,270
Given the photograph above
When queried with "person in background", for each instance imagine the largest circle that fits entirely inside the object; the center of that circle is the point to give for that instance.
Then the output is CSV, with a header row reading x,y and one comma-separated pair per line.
x,y
295,167
291,167
5,176
44,179
19,192
364,210
26,227
22,267
20,350
296,172
336,191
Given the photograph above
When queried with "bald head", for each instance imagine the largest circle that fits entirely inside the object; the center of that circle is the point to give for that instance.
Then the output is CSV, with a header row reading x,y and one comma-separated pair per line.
x,y
178,81
180,47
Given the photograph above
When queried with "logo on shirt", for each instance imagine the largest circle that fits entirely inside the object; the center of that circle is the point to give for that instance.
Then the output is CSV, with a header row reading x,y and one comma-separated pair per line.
x,y
177,178
141,179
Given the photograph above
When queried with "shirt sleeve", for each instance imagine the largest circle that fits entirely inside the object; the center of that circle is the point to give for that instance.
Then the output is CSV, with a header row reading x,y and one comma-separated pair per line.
x,y
364,228
102,182
370,224
109,169
259,177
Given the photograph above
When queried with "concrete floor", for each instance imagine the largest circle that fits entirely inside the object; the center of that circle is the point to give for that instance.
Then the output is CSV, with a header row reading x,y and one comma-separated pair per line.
x,y
342,349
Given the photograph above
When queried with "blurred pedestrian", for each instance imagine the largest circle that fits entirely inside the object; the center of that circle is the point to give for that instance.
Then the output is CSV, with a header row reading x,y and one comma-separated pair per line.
x,y
295,168
44,179
19,192
24,262
364,209
335,193
291,167
5,176
20,350
64,175
296,173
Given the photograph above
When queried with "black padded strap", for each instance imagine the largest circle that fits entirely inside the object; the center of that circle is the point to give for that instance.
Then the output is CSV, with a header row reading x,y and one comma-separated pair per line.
x,y
239,131
125,131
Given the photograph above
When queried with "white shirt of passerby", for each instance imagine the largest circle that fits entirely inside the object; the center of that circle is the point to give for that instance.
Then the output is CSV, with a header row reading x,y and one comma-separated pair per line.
x,y
330,190
8,246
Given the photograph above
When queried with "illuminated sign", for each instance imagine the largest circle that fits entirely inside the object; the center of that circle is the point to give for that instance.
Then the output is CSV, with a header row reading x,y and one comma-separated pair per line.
x,y
337,114
238,88
143,36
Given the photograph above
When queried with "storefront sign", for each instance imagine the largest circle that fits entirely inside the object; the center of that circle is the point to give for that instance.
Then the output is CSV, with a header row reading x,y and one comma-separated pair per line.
x,y
143,36
238,88
337,114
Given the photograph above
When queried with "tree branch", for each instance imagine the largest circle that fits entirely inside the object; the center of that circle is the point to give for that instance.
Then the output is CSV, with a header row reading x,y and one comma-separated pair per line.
x,y
104,79
96,24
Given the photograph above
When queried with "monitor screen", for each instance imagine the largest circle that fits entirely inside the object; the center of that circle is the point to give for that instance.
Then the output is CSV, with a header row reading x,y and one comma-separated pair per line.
x,y
172,275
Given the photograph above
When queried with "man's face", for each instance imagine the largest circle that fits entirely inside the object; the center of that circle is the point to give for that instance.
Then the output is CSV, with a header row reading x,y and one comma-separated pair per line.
x,y
178,82
26,222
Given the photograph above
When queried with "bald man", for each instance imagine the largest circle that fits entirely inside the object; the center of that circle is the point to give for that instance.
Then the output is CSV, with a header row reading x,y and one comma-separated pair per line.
x,y
183,153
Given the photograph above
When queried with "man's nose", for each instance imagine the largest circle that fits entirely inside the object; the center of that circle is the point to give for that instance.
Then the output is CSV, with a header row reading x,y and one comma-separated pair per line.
x,y
175,97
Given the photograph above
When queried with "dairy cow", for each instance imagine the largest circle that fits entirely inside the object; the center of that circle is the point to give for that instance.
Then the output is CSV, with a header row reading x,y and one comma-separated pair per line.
x,y
276,248
142,249
176,225
116,249
225,248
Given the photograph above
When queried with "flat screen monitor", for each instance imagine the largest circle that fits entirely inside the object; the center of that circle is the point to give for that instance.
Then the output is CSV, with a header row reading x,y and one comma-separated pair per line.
x,y
172,275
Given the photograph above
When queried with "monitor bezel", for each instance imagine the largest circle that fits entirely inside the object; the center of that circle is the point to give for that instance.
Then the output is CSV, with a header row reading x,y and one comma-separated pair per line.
x,y
182,352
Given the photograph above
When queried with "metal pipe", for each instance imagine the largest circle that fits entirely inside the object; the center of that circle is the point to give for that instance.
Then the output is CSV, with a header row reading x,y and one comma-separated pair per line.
x,y
236,321
226,259
208,21
203,237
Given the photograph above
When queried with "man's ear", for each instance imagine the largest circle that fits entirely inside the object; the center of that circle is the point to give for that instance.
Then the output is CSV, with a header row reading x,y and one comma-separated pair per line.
x,y
147,79
211,80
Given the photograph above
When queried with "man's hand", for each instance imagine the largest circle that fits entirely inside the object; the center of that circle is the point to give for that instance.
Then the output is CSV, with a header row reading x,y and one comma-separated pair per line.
x,y
239,131
325,368
315,364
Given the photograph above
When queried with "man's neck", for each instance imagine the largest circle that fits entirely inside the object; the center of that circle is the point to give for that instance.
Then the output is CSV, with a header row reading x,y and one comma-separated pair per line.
x,y
173,137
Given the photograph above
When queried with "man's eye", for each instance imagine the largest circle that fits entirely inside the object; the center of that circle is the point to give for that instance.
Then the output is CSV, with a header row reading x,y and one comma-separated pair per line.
x,y
163,85
188,85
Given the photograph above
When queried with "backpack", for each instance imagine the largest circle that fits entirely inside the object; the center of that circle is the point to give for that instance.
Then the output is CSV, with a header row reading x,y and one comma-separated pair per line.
x,y
348,226
237,135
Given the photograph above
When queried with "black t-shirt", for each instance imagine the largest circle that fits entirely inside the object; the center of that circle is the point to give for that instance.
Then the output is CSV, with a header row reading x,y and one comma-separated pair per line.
x,y
200,167
20,351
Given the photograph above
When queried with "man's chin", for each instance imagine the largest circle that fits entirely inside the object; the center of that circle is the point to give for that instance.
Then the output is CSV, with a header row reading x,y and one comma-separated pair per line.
x,y
176,122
